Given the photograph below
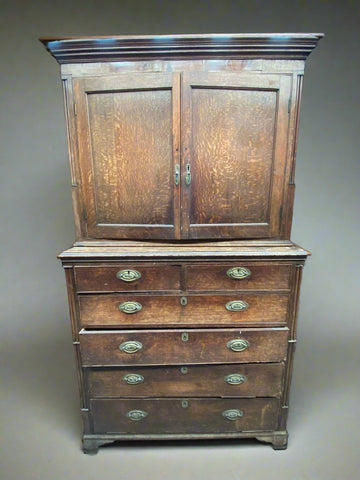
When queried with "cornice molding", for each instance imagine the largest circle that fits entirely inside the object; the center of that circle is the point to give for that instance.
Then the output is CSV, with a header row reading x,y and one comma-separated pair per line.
x,y
290,46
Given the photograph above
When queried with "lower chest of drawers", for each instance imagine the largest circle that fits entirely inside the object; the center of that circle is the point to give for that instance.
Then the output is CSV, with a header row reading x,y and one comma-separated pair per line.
x,y
200,349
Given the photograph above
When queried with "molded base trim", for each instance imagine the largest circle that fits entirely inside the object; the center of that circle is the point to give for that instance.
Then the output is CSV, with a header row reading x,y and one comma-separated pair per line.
x,y
91,443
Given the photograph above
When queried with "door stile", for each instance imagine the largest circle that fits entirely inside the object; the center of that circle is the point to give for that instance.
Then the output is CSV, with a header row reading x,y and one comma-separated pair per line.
x,y
186,136
176,167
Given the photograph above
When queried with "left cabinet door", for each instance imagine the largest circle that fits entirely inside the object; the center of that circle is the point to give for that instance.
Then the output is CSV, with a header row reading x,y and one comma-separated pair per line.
x,y
128,131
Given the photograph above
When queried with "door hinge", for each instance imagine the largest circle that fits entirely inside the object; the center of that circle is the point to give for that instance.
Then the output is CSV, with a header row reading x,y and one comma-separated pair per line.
x,y
75,110
289,105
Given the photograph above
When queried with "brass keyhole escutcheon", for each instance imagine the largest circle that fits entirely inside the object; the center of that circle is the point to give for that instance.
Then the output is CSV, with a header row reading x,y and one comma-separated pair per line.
x,y
184,337
184,370
183,301
184,404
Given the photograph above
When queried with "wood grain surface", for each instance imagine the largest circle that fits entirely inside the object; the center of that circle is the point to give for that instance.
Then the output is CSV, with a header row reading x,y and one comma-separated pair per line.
x,y
168,347
261,380
167,310
169,416
104,279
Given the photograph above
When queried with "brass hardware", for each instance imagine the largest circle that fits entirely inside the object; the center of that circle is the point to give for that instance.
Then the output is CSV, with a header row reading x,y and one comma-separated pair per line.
x,y
235,379
128,275
183,301
177,175
184,370
136,415
130,307
187,174
133,379
238,345
185,404
238,273
232,414
132,346
184,337
237,306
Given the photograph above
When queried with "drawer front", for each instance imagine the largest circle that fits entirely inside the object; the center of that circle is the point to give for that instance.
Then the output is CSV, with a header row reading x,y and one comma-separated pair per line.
x,y
210,310
159,347
184,415
127,278
247,380
238,276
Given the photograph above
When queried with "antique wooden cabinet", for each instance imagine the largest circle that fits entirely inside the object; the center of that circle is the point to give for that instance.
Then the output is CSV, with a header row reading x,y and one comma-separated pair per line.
x,y
183,283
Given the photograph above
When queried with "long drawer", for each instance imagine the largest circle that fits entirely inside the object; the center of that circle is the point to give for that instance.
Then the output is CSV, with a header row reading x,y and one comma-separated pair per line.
x,y
255,380
169,347
159,310
183,415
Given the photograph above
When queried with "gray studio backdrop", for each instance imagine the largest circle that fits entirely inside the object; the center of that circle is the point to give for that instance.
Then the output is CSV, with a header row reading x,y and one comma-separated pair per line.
x,y
40,419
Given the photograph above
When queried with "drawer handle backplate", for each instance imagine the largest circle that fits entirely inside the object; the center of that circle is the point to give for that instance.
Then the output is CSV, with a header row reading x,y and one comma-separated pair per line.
x,y
136,415
237,306
132,346
130,307
235,379
238,345
232,414
128,275
238,273
133,379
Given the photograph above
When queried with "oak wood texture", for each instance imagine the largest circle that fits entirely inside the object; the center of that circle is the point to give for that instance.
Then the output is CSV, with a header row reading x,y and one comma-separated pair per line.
x,y
168,347
126,148
261,380
235,141
168,311
169,416
103,278
227,45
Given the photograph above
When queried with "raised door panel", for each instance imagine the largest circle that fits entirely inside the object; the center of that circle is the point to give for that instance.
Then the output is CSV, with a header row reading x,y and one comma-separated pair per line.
x,y
128,135
235,150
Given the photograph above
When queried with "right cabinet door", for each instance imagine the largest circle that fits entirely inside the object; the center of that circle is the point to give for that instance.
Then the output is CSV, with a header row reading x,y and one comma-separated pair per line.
x,y
234,154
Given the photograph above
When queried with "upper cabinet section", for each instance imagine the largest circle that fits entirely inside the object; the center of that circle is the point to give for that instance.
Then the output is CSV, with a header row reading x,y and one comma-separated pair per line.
x,y
183,137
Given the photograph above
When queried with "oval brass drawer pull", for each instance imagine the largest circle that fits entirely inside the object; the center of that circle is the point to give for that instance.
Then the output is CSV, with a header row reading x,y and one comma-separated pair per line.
x,y
237,306
238,345
133,379
132,346
136,415
235,379
128,275
232,414
238,273
130,307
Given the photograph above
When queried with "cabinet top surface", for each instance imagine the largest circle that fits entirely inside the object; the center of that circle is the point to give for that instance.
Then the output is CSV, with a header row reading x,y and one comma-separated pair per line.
x,y
136,249
116,48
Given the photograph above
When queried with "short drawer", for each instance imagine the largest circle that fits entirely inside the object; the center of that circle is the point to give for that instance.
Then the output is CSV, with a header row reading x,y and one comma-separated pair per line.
x,y
238,276
169,347
184,415
247,380
127,278
191,310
